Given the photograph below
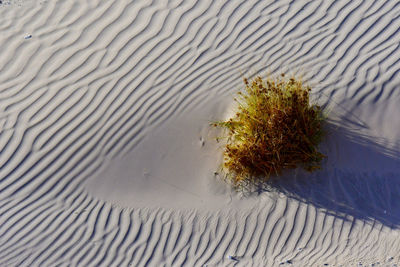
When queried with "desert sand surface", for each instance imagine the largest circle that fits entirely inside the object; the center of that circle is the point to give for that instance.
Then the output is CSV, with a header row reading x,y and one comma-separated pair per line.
x,y
107,157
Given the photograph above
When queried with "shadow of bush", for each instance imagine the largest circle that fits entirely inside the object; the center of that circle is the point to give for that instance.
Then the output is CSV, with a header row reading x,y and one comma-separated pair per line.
x,y
360,179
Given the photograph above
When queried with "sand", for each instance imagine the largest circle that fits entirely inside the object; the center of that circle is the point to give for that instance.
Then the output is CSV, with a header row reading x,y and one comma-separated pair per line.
x,y
107,157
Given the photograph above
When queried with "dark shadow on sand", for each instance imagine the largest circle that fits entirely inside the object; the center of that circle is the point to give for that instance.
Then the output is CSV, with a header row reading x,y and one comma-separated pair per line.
x,y
360,179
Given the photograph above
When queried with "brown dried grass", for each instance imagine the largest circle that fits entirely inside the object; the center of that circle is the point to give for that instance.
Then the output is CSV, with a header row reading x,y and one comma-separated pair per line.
x,y
274,128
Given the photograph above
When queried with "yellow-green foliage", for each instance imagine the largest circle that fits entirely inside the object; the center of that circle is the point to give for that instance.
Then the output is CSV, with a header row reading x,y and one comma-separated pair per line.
x,y
275,128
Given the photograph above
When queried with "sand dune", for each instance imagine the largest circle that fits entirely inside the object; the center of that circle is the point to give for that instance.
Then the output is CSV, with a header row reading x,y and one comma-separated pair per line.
x,y
107,157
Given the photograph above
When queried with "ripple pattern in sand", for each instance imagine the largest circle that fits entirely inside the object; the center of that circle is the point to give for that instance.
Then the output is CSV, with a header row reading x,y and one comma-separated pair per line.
x,y
82,82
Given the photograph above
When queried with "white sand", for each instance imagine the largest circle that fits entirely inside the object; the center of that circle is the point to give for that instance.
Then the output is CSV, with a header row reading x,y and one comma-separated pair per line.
x,y
107,157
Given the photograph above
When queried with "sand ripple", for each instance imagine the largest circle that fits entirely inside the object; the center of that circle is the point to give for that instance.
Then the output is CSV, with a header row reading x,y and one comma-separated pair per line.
x,y
83,84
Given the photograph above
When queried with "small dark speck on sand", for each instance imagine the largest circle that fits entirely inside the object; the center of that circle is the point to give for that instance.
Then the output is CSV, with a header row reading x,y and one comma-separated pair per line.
x,y
233,258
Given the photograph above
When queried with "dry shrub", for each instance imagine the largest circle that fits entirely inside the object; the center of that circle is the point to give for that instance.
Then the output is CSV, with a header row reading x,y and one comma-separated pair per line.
x,y
275,128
